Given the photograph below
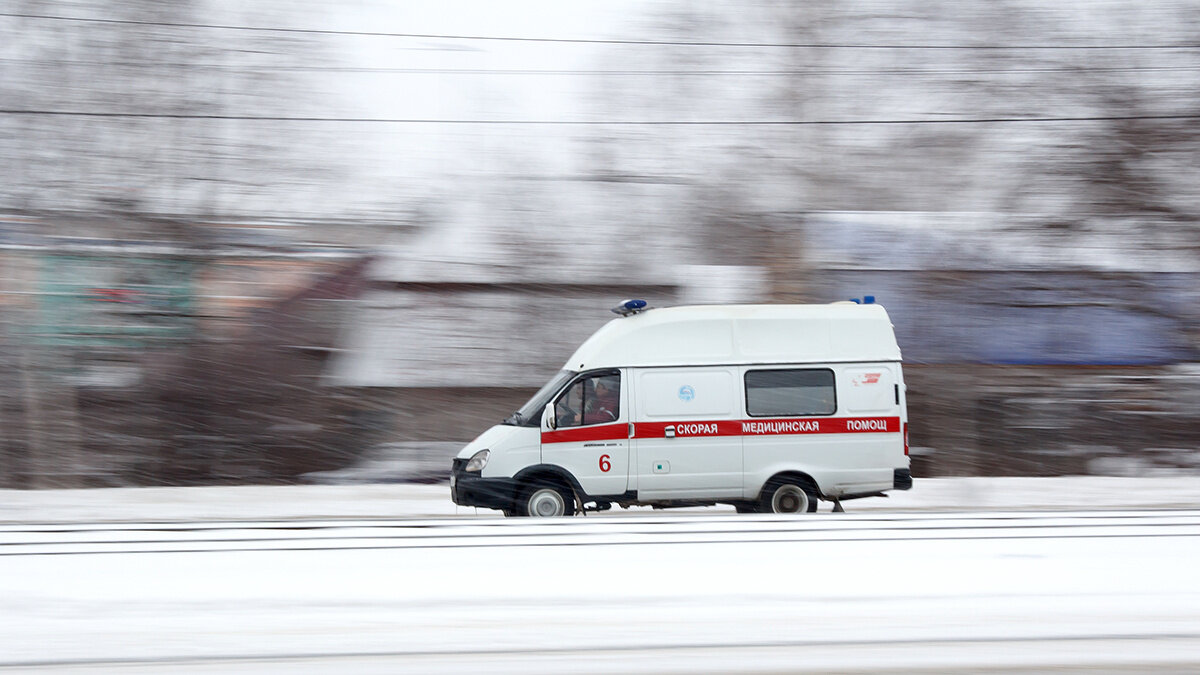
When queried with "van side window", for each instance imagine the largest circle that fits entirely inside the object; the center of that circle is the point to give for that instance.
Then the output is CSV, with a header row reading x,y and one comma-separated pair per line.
x,y
595,399
771,393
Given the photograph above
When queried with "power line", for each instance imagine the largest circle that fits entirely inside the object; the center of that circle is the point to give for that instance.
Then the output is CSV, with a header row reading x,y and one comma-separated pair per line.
x,y
535,122
664,43
674,72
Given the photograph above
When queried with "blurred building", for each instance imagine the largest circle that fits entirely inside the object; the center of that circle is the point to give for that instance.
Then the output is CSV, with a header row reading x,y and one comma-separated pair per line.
x,y
134,350
1029,351
241,352
445,349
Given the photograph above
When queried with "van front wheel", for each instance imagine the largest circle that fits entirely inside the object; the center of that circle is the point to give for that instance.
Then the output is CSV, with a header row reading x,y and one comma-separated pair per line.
x,y
789,495
548,501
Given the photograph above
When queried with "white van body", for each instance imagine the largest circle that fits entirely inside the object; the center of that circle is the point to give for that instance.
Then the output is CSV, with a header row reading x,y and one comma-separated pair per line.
x,y
766,407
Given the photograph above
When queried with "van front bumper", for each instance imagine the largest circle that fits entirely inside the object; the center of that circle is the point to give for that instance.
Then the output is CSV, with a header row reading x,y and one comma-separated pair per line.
x,y
468,488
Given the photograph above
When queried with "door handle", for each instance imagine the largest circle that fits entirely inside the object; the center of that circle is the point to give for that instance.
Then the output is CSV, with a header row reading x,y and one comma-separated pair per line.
x,y
669,432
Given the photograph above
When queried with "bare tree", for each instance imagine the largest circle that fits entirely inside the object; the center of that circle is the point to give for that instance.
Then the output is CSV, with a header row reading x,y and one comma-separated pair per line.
x,y
130,107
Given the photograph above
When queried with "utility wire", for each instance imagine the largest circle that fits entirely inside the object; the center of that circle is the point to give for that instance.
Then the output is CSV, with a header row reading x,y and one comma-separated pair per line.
x,y
535,122
666,43
614,72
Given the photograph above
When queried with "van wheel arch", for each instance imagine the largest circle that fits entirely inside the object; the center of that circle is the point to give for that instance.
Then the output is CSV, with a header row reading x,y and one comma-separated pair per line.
x,y
541,477
789,492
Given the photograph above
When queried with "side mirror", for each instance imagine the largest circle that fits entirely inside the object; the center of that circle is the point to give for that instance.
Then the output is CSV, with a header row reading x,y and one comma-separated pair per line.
x,y
548,416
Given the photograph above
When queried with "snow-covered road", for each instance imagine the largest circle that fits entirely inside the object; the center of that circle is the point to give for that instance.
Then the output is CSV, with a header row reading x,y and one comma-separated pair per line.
x,y
271,590
431,501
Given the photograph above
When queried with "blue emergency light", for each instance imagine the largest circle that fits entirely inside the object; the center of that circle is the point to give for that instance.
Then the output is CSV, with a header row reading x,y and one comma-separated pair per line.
x,y
628,307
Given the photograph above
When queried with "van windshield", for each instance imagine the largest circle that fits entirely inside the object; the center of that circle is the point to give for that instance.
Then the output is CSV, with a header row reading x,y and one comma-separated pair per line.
x,y
530,414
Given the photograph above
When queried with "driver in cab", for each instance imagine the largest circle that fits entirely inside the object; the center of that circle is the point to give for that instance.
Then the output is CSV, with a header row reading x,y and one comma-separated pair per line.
x,y
605,404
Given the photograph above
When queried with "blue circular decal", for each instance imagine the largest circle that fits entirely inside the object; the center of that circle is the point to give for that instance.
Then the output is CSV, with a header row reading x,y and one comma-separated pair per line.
x,y
687,393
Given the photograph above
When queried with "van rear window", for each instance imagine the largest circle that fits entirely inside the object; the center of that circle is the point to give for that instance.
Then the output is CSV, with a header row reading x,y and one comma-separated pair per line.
x,y
774,393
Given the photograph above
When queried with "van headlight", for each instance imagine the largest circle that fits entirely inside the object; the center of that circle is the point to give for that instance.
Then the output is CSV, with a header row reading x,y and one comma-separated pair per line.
x,y
478,461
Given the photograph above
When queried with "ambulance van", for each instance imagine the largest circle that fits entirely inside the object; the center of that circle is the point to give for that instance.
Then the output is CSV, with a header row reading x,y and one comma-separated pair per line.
x,y
769,408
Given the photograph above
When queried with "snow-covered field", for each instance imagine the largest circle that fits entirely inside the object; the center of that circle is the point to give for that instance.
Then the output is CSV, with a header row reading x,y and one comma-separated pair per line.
x,y
956,575
421,501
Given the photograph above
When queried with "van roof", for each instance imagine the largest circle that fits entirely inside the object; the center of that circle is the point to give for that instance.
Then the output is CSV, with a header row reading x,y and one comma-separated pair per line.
x,y
741,334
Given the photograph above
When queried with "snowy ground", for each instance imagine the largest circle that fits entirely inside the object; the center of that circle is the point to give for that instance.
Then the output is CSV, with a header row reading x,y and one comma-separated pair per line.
x,y
956,575
422,501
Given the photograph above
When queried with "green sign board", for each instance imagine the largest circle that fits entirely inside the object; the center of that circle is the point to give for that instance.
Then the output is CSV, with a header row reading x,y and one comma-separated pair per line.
x,y
94,300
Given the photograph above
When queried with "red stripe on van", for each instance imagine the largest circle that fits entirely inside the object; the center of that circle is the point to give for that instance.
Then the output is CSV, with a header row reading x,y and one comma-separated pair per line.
x,y
822,425
770,427
713,428
688,429
600,432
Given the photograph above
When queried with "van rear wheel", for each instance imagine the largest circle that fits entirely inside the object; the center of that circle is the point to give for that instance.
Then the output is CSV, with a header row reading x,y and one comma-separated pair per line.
x,y
789,495
544,500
